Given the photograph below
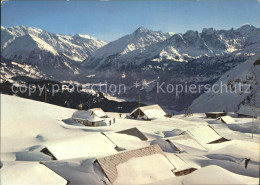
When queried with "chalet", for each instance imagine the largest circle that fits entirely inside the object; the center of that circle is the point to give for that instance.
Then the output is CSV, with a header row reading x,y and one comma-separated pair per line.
x,y
134,132
248,111
87,118
257,62
98,112
31,173
179,144
148,112
226,119
215,115
109,164
186,143
87,146
205,134
128,140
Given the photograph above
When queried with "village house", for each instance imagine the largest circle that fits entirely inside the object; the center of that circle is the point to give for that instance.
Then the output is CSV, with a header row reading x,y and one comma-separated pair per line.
x,y
248,111
87,118
148,112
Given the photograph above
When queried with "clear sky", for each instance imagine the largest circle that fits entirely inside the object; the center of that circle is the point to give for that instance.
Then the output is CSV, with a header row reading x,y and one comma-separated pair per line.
x,y
109,20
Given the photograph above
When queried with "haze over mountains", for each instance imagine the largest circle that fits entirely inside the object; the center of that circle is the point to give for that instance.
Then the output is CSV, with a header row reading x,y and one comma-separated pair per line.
x,y
144,55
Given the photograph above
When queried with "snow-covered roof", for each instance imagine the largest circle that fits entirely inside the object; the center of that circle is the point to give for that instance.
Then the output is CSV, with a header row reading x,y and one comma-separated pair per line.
x,y
249,110
151,111
25,173
186,143
179,163
134,132
86,115
214,175
125,141
110,164
98,112
165,145
227,119
144,170
236,149
91,145
179,143
204,134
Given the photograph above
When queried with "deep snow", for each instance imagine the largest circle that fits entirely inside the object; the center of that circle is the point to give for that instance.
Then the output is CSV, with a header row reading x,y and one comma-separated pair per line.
x,y
27,126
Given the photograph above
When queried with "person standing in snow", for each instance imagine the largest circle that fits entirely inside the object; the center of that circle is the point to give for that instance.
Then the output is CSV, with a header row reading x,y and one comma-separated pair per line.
x,y
120,115
80,106
114,120
110,122
67,103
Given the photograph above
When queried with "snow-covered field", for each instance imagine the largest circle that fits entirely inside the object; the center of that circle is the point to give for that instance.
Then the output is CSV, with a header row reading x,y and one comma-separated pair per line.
x,y
29,126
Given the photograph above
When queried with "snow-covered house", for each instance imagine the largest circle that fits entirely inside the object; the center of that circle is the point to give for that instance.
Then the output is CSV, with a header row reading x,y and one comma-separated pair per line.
x,y
88,146
257,62
134,132
186,143
125,161
226,119
215,114
88,118
98,112
206,135
248,111
125,141
203,134
148,112
30,173
145,165
179,144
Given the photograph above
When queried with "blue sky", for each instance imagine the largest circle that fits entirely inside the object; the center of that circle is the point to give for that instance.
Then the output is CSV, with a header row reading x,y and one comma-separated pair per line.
x,y
109,20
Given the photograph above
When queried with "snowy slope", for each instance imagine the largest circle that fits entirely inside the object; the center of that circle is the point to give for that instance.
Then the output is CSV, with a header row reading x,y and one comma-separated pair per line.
x,y
216,175
11,69
27,125
17,173
20,42
247,74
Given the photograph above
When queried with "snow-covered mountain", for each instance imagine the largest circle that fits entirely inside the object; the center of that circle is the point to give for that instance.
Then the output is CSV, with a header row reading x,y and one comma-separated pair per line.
x,y
11,69
247,75
145,45
36,46
116,50
144,55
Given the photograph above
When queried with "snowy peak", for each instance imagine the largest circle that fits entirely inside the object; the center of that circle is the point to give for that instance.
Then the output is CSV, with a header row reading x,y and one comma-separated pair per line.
x,y
246,29
25,45
193,39
208,31
176,39
144,45
138,40
141,30
74,47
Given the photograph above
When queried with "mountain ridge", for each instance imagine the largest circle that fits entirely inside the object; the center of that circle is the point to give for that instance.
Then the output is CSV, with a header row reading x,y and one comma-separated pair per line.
x,y
178,47
75,47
